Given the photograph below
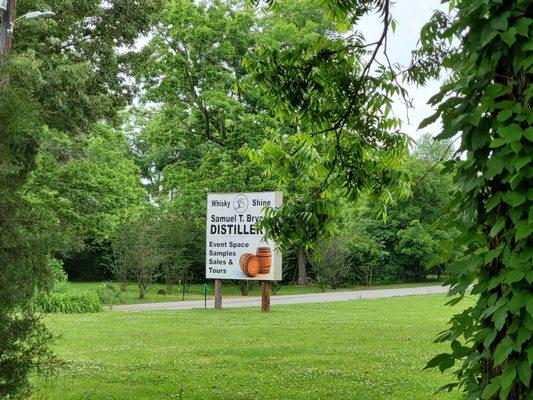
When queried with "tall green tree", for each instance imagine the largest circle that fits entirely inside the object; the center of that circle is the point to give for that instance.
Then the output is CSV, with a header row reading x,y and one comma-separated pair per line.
x,y
91,185
24,245
432,150
65,74
201,119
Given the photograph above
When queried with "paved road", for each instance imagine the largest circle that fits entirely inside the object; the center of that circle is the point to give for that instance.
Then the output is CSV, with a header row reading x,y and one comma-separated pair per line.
x,y
289,299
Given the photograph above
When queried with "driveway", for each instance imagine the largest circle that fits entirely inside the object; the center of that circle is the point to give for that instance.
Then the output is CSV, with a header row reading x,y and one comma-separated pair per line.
x,y
289,299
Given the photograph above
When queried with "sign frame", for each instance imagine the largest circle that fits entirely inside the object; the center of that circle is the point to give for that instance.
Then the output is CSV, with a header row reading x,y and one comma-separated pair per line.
x,y
235,249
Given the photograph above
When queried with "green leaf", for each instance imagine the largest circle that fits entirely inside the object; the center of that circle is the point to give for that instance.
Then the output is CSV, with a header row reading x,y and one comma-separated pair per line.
x,y
528,133
524,372
498,226
523,230
515,275
479,138
509,36
459,351
487,37
510,133
514,198
443,361
522,26
493,201
429,120
500,23
490,390
490,338
503,350
529,306
504,115
499,317
494,166
507,377
495,143
522,162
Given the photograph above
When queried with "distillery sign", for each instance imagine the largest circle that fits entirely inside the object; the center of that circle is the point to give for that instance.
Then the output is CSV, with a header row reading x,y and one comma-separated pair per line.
x,y
235,245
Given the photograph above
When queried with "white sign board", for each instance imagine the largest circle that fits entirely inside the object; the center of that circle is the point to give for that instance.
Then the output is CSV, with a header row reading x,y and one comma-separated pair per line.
x,y
235,247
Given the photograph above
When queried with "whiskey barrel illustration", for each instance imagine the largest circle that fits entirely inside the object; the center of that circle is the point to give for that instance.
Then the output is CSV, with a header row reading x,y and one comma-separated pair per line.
x,y
249,264
265,257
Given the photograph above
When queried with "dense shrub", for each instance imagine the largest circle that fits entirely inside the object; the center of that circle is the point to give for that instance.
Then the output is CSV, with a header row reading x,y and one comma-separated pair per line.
x,y
68,302
329,262
57,271
109,294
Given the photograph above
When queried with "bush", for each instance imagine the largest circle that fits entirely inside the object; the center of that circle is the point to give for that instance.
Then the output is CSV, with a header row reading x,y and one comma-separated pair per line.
x,y
69,302
329,262
57,271
109,294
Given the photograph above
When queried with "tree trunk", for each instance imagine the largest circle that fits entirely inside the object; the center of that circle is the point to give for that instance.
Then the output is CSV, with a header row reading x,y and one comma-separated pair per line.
x,y
142,290
302,268
245,288
167,271
122,285
169,286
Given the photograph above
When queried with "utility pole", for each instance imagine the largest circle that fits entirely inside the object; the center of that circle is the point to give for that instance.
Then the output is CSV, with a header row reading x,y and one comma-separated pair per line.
x,y
6,38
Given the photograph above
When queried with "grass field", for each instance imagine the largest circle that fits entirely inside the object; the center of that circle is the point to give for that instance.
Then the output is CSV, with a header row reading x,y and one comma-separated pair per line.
x,y
131,296
366,349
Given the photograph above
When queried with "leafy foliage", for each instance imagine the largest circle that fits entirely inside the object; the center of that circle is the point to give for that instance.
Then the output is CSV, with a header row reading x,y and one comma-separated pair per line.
x,y
65,76
24,348
68,302
330,263
109,294
405,247
91,185
488,102
24,243
339,133
137,243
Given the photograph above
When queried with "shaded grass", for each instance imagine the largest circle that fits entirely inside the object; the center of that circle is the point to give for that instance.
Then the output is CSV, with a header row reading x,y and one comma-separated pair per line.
x,y
131,296
365,349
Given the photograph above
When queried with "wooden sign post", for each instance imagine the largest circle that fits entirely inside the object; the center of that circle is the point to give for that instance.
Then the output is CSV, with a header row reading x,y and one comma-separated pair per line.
x,y
218,294
265,297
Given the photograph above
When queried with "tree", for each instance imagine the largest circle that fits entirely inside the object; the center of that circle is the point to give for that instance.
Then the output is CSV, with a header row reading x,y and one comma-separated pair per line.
x,y
419,248
196,79
136,242
433,151
202,120
487,102
285,27
336,106
330,263
73,58
64,74
91,185
25,241
176,236
366,256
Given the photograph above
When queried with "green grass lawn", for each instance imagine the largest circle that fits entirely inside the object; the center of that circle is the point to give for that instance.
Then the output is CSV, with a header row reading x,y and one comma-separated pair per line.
x,y
365,349
131,296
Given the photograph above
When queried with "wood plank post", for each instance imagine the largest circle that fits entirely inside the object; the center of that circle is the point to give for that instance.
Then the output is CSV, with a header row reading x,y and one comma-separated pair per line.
x,y
218,294
265,297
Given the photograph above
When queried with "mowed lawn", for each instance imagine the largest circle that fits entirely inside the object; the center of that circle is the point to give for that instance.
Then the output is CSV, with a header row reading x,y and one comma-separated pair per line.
x,y
365,349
